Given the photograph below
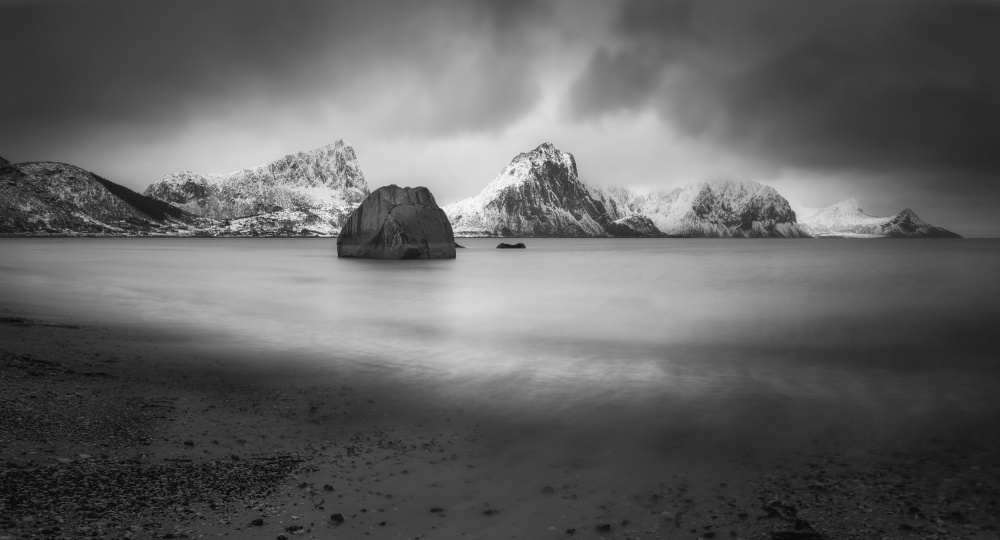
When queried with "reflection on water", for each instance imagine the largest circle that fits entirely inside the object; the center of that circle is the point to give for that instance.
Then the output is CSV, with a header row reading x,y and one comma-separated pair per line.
x,y
688,334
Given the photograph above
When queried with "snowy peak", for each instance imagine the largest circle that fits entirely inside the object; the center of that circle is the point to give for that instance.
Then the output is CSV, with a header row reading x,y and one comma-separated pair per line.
x,y
539,194
322,179
720,208
907,224
847,219
847,213
847,207
851,204
541,165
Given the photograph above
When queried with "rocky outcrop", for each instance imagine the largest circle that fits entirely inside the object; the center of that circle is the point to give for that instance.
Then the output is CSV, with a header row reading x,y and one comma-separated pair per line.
x,y
397,223
326,182
48,198
505,245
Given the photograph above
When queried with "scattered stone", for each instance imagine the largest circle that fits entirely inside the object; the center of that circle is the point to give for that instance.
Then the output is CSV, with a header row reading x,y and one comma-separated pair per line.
x,y
603,527
548,490
257,522
327,487
337,518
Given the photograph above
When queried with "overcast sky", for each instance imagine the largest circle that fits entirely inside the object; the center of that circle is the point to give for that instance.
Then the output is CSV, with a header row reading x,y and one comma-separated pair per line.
x,y
894,102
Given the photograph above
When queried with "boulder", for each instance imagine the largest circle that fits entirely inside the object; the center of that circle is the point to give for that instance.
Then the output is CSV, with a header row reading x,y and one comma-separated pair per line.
x,y
397,223
504,245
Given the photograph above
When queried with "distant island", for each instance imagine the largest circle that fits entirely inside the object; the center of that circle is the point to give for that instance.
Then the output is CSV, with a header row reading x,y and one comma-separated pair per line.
x,y
539,194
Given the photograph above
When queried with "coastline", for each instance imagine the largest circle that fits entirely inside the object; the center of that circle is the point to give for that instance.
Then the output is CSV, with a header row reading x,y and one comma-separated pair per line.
x,y
113,433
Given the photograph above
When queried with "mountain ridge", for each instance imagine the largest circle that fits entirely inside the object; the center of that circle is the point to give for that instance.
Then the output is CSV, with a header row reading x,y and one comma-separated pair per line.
x,y
319,187
47,197
539,194
847,219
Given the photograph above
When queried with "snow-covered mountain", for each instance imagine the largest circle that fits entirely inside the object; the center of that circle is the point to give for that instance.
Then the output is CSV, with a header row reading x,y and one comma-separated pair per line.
x,y
47,198
848,219
539,194
316,189
311,194
720,208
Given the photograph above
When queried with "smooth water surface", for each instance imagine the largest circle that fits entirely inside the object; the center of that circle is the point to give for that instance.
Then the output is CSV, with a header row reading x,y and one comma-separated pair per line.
x,y
719,332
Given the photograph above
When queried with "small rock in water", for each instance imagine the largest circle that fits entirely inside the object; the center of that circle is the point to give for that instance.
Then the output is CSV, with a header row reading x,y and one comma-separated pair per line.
x,y
504,245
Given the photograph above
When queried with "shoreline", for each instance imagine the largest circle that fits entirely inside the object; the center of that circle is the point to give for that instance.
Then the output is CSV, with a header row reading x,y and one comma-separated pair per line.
x,y
110,433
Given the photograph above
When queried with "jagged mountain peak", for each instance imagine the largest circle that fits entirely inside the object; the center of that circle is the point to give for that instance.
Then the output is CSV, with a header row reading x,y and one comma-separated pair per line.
x,y
326,180
909,217
537,194
526,166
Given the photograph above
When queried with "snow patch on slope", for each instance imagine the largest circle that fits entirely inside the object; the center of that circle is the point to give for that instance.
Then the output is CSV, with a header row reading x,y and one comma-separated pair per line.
x,y
319,180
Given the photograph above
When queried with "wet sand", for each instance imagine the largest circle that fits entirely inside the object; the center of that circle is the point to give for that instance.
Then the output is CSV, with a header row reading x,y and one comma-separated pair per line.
x,y
121,432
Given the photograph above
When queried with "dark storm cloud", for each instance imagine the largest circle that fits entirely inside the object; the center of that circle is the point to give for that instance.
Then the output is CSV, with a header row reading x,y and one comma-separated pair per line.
x,y
615,81
75,65
883,86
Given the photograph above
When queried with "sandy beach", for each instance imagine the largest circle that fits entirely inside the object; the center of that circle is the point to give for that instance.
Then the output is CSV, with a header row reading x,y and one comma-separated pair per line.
x,y
114,433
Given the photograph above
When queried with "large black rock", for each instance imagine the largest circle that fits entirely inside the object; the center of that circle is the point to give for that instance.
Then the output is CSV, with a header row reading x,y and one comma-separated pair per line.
x,y
397,223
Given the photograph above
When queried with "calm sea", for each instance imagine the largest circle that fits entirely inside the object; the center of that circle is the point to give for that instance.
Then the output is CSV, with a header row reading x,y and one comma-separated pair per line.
x,y
875,338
